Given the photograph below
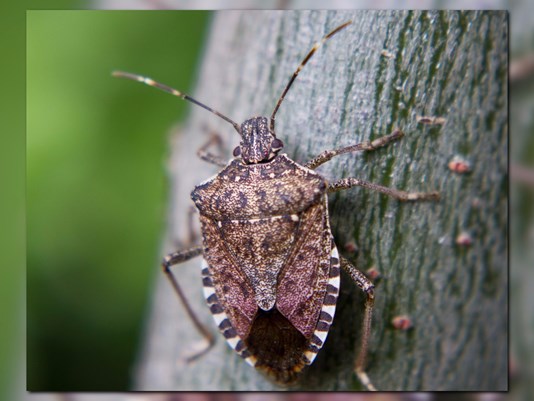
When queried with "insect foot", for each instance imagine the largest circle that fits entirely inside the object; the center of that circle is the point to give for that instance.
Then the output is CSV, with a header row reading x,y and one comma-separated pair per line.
x,y
270,268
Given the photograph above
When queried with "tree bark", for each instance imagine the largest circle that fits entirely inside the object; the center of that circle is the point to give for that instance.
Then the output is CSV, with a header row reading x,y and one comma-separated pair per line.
x,y
379,74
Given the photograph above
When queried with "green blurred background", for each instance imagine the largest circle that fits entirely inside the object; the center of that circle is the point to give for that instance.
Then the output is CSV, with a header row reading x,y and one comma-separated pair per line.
x,y
96,185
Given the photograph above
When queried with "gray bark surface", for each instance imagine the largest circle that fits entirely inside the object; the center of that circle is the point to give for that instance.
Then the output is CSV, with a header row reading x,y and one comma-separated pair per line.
x,y
447,64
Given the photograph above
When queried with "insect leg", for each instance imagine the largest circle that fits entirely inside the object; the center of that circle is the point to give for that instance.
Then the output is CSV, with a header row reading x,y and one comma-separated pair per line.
x,y
192,234
174,259
367,145
347,183
209,157
366,286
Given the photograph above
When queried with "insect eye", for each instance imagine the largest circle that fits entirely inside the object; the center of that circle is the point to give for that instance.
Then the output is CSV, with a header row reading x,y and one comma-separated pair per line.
x,y
237,151
277,144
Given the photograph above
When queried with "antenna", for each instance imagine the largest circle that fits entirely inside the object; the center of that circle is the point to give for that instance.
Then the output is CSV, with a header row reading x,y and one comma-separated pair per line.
x,y
302,64
172,91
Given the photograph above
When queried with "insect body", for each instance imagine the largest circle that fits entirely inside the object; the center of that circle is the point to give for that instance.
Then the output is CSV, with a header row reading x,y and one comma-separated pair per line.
x,y
271,269
271,273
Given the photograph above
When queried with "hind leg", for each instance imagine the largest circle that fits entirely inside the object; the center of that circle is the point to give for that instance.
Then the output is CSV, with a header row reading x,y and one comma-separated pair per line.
x,y
366,286
174,259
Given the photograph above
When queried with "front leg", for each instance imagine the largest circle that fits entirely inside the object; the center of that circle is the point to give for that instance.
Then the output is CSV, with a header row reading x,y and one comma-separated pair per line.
x,y
367,145
203,153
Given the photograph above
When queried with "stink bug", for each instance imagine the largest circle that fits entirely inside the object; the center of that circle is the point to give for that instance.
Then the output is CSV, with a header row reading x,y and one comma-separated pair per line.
x,y
271,269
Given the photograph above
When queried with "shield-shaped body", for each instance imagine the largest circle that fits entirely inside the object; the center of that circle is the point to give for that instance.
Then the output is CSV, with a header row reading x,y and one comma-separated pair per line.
x,y
271,269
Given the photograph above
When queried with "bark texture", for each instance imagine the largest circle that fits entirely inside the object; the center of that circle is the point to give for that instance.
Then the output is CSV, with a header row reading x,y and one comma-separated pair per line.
x,y
382,72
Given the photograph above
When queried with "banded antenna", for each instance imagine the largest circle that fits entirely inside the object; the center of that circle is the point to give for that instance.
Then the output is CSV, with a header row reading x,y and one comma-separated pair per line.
x,y
172,91
301,66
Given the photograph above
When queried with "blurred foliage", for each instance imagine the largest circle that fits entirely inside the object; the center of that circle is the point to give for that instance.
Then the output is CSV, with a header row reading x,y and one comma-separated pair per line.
x,y
12,201
94,220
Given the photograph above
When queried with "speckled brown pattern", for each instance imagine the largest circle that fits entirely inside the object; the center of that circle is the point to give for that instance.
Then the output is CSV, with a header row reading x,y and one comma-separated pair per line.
x,y
267,245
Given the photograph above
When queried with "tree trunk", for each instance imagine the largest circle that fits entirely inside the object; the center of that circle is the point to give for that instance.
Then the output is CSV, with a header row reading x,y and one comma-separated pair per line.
x,y
380,73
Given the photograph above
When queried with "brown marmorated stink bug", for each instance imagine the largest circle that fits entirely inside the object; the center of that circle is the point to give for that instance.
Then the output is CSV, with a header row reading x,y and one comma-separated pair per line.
x,y
271,269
